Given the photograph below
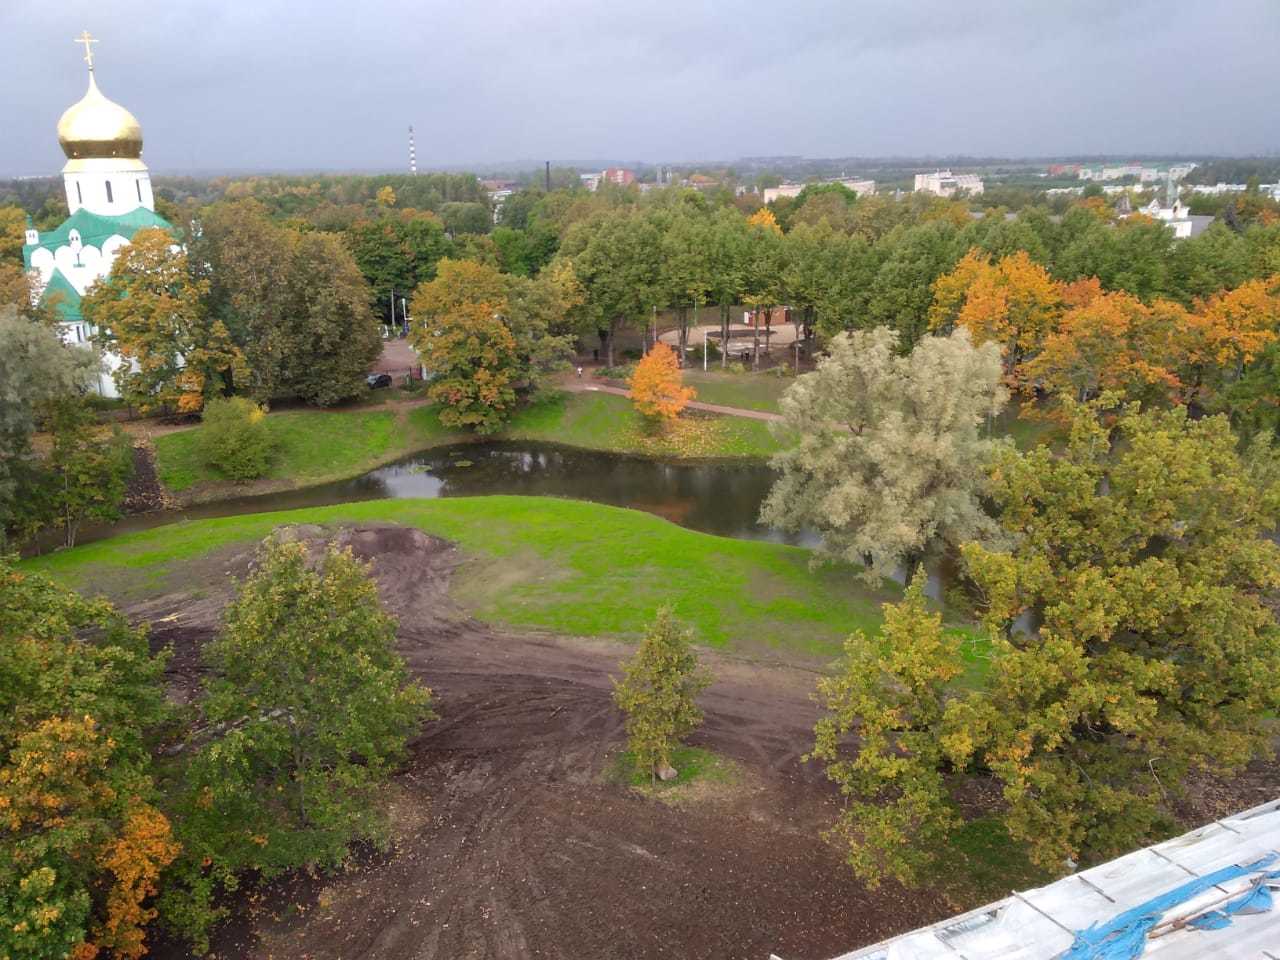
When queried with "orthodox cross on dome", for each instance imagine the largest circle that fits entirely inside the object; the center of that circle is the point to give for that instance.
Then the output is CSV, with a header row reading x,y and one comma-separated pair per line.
x,y
87,39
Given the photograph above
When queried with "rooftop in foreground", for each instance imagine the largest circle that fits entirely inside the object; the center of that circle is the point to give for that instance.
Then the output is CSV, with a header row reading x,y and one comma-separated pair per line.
x,y
1207,893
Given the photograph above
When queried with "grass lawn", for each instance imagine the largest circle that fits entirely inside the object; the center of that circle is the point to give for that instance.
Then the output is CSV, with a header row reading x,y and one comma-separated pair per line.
x,y
605,421
692,764
312,446
561,565
751,391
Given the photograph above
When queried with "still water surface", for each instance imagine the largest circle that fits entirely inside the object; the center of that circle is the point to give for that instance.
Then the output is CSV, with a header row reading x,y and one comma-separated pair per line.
x,y
717,497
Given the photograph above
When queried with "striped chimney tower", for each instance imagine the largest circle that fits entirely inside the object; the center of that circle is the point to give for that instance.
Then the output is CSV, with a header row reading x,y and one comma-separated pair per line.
x,y
413,154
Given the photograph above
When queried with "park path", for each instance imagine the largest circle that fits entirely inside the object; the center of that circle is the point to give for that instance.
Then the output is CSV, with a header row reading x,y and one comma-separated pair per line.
x,y
587,386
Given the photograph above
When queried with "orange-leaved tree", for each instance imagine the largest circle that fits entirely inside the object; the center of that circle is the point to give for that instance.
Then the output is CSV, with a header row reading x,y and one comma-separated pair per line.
x,y
764,218
1227,332
1013,302
1113,342
657,389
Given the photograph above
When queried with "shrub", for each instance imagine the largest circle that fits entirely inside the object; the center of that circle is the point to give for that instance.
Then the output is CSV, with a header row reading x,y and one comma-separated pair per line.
x,y
235,438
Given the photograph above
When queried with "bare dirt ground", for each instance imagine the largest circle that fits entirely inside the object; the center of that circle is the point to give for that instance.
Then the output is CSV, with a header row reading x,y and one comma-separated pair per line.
x,y
508,840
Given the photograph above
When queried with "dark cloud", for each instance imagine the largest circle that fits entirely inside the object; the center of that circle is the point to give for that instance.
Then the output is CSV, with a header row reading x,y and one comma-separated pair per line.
x,y
269,84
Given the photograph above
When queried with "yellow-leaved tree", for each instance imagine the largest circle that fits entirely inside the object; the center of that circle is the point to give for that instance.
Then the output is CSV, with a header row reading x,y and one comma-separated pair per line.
x,y
657,387
150,310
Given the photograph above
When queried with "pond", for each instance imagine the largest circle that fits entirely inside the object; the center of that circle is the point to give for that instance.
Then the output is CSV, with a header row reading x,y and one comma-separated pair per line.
x,y
720,497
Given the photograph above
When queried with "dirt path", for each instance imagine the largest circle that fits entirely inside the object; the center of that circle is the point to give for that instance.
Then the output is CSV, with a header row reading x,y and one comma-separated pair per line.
x,y
587,386
508,841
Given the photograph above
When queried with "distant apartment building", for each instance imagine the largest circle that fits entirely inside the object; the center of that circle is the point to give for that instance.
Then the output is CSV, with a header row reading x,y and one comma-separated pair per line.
x,y
944,183
590,180
1063,169
862,188
619,175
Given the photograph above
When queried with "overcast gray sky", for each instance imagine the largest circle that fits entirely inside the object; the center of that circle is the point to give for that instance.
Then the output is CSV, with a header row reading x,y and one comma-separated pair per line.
x,y
333,84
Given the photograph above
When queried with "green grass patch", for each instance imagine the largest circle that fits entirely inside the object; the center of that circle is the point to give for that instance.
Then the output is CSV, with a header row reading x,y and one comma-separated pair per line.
x,y
692,764
561,565
605,421
311,446
983,863
750,391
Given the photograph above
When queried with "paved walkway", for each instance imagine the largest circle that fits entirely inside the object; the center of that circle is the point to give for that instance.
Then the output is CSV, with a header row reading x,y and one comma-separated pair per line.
x,y
588,386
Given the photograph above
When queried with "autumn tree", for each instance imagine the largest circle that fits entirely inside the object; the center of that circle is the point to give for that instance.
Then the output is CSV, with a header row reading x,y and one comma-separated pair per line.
x,y
656,387
466,345
1225,334
150,311
890,691
658,694
765,220
1014,303
82,843
1114,343
891,456
308,709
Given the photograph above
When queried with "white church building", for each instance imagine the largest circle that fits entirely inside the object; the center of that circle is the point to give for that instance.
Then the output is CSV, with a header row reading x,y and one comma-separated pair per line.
x,y
110,199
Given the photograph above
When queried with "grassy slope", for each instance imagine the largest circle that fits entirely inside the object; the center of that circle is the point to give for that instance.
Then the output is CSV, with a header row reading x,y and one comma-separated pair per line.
x,y
312,446
561,565
603,421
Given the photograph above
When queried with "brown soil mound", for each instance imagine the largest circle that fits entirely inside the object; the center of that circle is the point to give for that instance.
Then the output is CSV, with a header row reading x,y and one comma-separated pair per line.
x,y
508,840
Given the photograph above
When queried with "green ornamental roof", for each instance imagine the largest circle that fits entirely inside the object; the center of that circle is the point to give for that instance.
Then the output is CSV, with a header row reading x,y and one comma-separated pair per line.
x,y
68,301
95,230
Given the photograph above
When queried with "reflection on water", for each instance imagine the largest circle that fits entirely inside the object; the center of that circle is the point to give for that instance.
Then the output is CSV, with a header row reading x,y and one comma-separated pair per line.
x,y
714,497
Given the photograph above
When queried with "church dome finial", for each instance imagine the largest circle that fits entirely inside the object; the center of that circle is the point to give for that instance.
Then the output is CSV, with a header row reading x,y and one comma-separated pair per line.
x,y
96,127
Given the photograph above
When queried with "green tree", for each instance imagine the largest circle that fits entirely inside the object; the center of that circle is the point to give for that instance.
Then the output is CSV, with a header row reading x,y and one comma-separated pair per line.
x,y
35,369
1133,648
657,693
891,457
295,303
310,709
331,339
81,842
1142,550
890,691
467,217
87,470
615,257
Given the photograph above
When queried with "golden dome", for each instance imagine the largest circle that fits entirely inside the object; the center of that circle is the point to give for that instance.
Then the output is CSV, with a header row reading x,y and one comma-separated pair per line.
x,y
98,128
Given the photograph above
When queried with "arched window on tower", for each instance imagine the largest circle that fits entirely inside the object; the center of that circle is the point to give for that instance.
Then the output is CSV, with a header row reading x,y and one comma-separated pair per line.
x,y
138,184
110,198
79,194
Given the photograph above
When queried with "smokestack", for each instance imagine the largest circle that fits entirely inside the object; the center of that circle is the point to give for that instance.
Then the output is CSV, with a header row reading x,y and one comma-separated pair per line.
x,y
548,176
413,154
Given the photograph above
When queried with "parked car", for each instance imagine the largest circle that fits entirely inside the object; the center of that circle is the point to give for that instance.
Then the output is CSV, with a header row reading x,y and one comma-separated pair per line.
x,y
378,380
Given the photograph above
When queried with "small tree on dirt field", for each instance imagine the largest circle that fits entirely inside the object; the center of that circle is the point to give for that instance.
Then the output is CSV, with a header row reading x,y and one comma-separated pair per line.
x,y
81,844
235,439
889,689
657,694
312,707
656,387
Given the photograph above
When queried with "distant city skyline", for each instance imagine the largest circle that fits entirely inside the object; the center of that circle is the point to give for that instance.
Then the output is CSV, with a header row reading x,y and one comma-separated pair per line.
x,y
255,87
